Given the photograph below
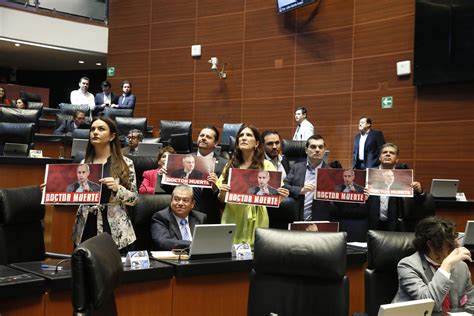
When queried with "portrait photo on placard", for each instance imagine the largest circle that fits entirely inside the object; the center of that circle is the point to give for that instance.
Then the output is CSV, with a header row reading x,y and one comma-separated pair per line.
x,y
340,185
390,182
188,169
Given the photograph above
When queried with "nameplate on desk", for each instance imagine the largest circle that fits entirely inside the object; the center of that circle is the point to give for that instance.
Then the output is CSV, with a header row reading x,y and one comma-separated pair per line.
x,y
36,153
242,251
137,259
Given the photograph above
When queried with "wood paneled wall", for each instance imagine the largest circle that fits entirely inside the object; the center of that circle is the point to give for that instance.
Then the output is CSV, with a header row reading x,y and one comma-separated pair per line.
x,y
336,57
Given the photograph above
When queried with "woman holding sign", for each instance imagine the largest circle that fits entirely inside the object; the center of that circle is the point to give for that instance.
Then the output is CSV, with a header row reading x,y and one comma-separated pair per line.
x,y
248,154
119,189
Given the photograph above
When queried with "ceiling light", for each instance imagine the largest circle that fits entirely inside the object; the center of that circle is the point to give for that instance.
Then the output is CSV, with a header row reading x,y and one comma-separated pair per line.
x,y
98,64
17,44
80,61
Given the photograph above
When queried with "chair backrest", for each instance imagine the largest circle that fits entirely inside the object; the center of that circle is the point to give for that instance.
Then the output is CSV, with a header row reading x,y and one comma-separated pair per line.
x,y
35,105
167,128
141,214
294,150
66,108
13,115
126,124
298,273
80,133
96,270
21,232
31,97
414,210
229,130
142,164
22,133
182,143
384,250
113,112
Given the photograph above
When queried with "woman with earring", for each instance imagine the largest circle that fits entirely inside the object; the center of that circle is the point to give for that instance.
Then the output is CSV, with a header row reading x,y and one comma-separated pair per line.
x,y
248,154
119,189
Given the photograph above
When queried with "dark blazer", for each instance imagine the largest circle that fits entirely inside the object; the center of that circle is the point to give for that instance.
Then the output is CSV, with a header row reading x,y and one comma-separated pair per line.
x,y
372,147
65,127
342,187
209,203
254,190
99,98
128,102
195,174
95,187
294,182
165,231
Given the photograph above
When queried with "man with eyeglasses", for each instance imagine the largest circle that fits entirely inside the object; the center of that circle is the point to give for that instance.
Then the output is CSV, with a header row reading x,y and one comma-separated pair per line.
x,y
134,137
173,226
272,146
301,180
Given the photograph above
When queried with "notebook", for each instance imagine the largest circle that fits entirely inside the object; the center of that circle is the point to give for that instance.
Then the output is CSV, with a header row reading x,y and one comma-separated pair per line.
x,y
212,241
15,150
78,145
411,308
444,188
149,149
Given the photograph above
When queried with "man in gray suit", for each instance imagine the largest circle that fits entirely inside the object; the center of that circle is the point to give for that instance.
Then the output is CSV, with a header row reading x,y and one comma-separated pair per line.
x,y
172,227
437,270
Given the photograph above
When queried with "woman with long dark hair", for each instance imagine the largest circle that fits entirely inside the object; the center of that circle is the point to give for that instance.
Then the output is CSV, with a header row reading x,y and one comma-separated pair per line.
x,y
3,97
119,189
22,103
248,154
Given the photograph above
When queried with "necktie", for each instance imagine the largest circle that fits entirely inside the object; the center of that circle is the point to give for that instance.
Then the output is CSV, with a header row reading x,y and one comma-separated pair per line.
x,y
184,231
446,305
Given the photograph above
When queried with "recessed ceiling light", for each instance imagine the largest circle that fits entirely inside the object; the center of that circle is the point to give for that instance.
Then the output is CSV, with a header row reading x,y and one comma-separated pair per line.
x,y
98,64
80,61
17,44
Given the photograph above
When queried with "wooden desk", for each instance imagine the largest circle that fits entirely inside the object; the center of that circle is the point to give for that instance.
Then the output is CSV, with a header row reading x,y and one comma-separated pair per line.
x,y
458,212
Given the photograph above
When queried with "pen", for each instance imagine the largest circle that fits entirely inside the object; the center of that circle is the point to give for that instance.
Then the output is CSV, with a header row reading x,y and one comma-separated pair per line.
x,y
49,267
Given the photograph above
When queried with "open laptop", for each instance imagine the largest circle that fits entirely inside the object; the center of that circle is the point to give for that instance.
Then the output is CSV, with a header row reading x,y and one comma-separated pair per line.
x,y
78,145
149,149
411,308
15,150
212,241
444,188
467,240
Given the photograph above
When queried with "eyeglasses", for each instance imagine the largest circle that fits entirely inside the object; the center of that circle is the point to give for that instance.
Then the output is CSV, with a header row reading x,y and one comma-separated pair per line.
x,y
132,137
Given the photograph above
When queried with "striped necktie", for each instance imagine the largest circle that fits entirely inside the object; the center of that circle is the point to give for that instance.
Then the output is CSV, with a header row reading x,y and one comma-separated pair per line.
x,y
183,228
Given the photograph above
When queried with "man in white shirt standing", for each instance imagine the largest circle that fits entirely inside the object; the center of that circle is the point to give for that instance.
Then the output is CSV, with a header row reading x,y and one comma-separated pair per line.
x,y
304,128
82,95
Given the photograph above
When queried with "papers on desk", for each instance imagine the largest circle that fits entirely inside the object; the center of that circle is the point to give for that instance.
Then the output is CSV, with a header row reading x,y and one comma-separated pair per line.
x,y
168,255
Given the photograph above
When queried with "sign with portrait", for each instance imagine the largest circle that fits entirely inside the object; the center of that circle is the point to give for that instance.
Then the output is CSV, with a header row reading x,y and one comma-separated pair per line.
x,y
390,182
340,185
188,169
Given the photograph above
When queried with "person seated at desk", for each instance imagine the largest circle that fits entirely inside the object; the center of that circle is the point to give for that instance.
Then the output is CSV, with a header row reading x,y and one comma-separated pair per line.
x,y
437,270
134,137
67,127
173,226
149,176
3,98
21,103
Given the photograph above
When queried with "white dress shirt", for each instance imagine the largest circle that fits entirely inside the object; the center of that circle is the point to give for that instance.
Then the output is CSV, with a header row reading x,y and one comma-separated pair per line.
x,y
304,130
77,97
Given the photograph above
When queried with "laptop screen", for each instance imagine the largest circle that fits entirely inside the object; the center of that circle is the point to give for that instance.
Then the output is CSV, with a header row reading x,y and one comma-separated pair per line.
x,y
212,241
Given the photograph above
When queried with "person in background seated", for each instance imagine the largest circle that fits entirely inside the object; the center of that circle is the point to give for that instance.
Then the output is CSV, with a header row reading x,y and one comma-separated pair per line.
x,y
134,137
3,98
82,95
437,270
127,99
67,127
105,98
272,146
172,227
149,176
22,103
304,129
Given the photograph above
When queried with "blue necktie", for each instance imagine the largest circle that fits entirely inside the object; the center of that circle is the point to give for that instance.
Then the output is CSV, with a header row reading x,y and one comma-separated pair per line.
x,y
184,231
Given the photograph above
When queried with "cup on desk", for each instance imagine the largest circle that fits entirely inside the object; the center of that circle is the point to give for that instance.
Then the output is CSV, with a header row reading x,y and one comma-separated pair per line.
x,y
61,152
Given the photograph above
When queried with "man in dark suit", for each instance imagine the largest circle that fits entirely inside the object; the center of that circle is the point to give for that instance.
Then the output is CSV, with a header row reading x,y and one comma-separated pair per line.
x,y
188,170
367,145
263,188
301,180
83,184
127,99
272,146
173,226
206,199
386,213
67,126
349,185
105,98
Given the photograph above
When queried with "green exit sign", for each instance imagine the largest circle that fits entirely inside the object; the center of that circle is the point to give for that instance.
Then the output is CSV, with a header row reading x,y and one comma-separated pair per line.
x,y
387,102
110,71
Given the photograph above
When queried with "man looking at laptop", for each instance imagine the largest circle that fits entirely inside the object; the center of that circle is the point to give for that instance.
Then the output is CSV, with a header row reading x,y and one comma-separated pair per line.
x,y
437,270
172,227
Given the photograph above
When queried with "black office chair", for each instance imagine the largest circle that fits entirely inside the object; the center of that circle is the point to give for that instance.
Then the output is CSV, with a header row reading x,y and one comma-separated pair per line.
x,y
229,130
126,124
112,113
288,212
294,150
13,115
80,133
30,97
21,133
141,164
167,128
96,269
182,143
384,250
35,105
69,109
298,273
